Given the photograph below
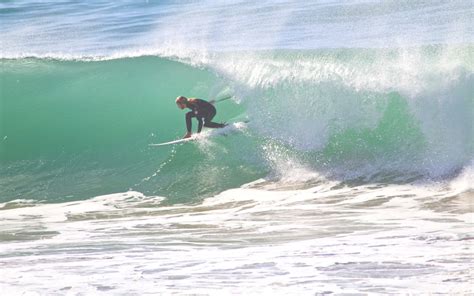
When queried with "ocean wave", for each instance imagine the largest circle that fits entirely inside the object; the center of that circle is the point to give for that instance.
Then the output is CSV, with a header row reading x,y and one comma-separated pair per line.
x,y
334,113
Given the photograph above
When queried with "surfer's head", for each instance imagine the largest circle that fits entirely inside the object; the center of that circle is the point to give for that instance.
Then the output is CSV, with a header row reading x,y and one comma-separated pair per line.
x,y
181,102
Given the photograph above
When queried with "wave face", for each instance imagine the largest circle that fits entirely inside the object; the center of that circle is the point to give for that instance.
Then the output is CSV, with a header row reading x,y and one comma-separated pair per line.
x,y
75,129
71,126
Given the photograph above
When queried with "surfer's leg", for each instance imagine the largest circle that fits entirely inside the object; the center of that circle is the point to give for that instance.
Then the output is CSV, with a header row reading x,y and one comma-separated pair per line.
x,y
214,124
208,121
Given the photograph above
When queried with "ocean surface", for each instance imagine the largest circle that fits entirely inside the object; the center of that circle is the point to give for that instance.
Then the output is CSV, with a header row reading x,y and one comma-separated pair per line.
x,y
347,167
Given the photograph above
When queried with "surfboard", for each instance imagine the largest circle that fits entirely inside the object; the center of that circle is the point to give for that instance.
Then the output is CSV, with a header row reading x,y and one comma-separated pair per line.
x,y
173,142
232,127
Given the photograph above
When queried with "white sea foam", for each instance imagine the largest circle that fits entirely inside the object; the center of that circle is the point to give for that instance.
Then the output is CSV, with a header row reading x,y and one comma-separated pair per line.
x,y
329,238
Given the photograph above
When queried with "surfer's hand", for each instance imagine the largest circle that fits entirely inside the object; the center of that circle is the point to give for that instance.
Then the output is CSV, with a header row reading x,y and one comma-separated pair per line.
x,y
187,135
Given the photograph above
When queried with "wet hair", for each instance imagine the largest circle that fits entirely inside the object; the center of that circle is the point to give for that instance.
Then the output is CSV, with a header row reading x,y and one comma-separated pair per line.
x,y
181,100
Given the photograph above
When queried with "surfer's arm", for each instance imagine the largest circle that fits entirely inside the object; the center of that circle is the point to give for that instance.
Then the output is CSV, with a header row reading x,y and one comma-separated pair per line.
x,y
189,124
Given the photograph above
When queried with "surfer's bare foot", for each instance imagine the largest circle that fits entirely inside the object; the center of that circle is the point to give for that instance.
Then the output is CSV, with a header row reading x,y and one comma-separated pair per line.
x,y
187,135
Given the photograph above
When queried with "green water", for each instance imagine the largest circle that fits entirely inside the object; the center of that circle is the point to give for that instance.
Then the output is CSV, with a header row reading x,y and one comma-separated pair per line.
x,y
75,129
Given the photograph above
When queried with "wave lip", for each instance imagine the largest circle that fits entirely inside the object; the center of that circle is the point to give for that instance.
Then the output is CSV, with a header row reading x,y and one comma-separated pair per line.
x,y
408,109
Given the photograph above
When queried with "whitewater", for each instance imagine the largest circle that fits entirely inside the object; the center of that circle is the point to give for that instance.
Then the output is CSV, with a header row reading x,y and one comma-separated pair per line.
x,y
346,169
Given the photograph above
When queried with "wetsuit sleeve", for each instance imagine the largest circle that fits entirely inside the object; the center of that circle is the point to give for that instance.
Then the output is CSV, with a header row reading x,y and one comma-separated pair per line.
x,y
189,115
199,124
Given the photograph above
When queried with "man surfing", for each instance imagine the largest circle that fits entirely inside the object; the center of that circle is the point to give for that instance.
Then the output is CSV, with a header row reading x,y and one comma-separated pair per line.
x,y
203,111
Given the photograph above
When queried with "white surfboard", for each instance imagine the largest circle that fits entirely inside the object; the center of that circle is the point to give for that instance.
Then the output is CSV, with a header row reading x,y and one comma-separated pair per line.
x,y
209,133
174,142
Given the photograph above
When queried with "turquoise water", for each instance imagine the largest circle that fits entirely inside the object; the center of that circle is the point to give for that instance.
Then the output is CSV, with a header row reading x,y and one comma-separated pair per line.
x,y
347,167
74,129
90,136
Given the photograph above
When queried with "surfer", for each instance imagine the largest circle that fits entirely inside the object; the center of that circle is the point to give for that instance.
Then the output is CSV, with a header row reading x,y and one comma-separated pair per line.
x,y
203,111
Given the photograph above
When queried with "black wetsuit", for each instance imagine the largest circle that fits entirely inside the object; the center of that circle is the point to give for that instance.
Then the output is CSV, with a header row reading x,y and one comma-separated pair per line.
x,y
204,112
